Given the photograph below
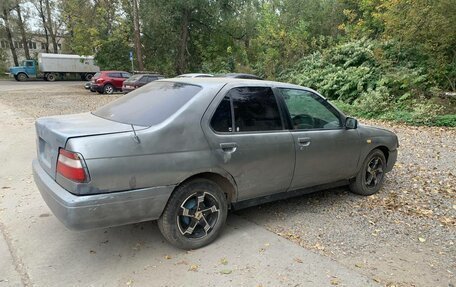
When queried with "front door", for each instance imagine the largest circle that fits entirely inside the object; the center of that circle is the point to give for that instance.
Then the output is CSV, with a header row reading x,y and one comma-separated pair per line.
x,y
247,136
325,150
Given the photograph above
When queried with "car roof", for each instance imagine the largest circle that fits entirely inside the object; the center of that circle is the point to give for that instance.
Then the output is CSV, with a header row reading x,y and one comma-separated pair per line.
x,y
210,81
114,72
153,75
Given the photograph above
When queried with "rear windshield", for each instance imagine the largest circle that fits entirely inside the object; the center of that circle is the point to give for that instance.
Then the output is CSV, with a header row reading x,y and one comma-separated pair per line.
x,y
97,75
149,105
134,78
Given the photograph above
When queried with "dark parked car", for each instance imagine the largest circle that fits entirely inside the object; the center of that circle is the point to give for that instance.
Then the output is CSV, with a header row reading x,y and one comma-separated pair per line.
x,y
139,80
108,82
195,75
184,151
241,76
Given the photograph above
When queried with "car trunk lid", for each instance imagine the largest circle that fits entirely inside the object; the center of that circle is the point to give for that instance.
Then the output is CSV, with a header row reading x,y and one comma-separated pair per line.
x,y
54,132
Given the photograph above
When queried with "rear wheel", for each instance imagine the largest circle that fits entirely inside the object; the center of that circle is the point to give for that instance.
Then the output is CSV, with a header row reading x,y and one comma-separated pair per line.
x,y
50,77
21,77
195,214
88,77
108,89
370,178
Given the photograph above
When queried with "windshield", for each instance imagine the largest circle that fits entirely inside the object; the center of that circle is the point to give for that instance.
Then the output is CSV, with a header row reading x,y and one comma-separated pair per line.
x,y
149,105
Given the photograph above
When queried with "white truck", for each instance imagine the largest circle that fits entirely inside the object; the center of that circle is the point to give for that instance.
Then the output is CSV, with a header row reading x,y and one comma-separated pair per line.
x,y
53,66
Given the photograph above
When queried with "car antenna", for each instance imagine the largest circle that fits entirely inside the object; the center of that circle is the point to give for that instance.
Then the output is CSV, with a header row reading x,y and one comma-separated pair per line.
x,y
135,137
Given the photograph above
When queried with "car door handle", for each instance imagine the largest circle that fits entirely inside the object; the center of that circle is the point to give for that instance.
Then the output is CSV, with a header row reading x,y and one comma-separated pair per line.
x,y
228,147
304,141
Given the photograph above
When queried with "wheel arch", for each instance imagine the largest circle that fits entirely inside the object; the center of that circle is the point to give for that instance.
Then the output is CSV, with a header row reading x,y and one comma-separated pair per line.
x,y
384,150
25,73
226,183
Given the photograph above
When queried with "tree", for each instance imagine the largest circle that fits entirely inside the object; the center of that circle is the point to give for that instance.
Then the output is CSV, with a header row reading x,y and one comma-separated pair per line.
x,y
6,6
21,25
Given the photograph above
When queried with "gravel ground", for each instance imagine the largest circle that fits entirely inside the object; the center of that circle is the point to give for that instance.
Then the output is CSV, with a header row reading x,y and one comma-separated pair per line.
x,y
403,236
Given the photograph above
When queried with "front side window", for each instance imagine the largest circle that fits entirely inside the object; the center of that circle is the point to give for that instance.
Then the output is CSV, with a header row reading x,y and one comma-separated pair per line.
x,y
309,111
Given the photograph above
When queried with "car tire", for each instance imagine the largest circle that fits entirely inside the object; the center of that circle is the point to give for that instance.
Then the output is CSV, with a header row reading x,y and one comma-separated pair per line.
x,y
21,77
108,89
50,77
370,178
194,215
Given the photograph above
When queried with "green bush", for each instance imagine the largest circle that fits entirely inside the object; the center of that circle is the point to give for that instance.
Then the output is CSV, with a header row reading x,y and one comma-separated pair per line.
x,y
364,79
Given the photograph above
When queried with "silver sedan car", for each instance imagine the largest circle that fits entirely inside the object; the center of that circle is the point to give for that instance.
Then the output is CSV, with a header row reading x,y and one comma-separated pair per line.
x,y
185,151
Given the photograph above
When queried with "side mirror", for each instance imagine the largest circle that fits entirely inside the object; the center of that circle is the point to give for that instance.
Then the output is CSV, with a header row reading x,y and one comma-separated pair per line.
x,y
351,123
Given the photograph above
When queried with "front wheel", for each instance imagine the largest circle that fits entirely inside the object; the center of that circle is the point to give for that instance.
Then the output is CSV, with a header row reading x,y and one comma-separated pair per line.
x,y
370,178
108,89
195,214
21,77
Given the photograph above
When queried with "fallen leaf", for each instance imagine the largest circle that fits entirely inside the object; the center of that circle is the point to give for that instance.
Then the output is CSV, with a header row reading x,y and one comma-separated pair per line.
x,y
223,261
193,268
129,282
298,260
334,282
359,265
167,257
421,239
92,252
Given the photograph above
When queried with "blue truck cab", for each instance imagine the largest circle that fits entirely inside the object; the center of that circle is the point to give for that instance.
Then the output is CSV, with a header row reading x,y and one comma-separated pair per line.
x,y
26,71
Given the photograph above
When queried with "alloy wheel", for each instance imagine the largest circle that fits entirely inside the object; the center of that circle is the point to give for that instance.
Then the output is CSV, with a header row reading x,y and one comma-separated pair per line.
x,y
374,172
198,215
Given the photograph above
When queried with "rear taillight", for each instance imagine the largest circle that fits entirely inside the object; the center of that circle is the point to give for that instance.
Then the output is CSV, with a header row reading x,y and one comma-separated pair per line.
x,y
70,165
99,80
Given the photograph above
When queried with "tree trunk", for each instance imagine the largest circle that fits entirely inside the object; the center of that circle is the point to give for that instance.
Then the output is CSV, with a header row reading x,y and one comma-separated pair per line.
x,y
43,20
49,26
9,36
181,64
137,34
20,23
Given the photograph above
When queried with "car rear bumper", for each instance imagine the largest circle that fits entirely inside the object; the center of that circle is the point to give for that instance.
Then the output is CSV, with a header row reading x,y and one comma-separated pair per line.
x,y
392,157
100,210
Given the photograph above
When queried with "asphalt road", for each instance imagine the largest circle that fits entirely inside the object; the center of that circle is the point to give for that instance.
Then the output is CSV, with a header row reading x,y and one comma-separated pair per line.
x,y
36,249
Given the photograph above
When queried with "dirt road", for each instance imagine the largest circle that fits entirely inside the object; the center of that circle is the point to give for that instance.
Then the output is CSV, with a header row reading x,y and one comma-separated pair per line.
x,y
404,236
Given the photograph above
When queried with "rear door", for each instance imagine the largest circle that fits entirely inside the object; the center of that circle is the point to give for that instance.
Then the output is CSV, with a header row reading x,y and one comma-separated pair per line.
x,y
246,132
325,150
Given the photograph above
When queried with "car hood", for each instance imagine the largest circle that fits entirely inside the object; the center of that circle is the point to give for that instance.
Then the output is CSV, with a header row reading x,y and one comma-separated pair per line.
x,y
18,68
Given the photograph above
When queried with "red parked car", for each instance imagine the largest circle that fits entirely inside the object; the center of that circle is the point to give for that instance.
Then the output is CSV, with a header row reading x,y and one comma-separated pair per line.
x,y
107,82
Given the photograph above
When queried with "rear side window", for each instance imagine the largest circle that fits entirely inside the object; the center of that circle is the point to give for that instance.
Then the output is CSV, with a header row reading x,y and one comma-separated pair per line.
x,y
126,75
149,105
255,110
114,75
221,120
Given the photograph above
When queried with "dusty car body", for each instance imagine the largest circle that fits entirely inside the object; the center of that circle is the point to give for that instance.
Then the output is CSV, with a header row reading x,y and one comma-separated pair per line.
x,y
131,160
